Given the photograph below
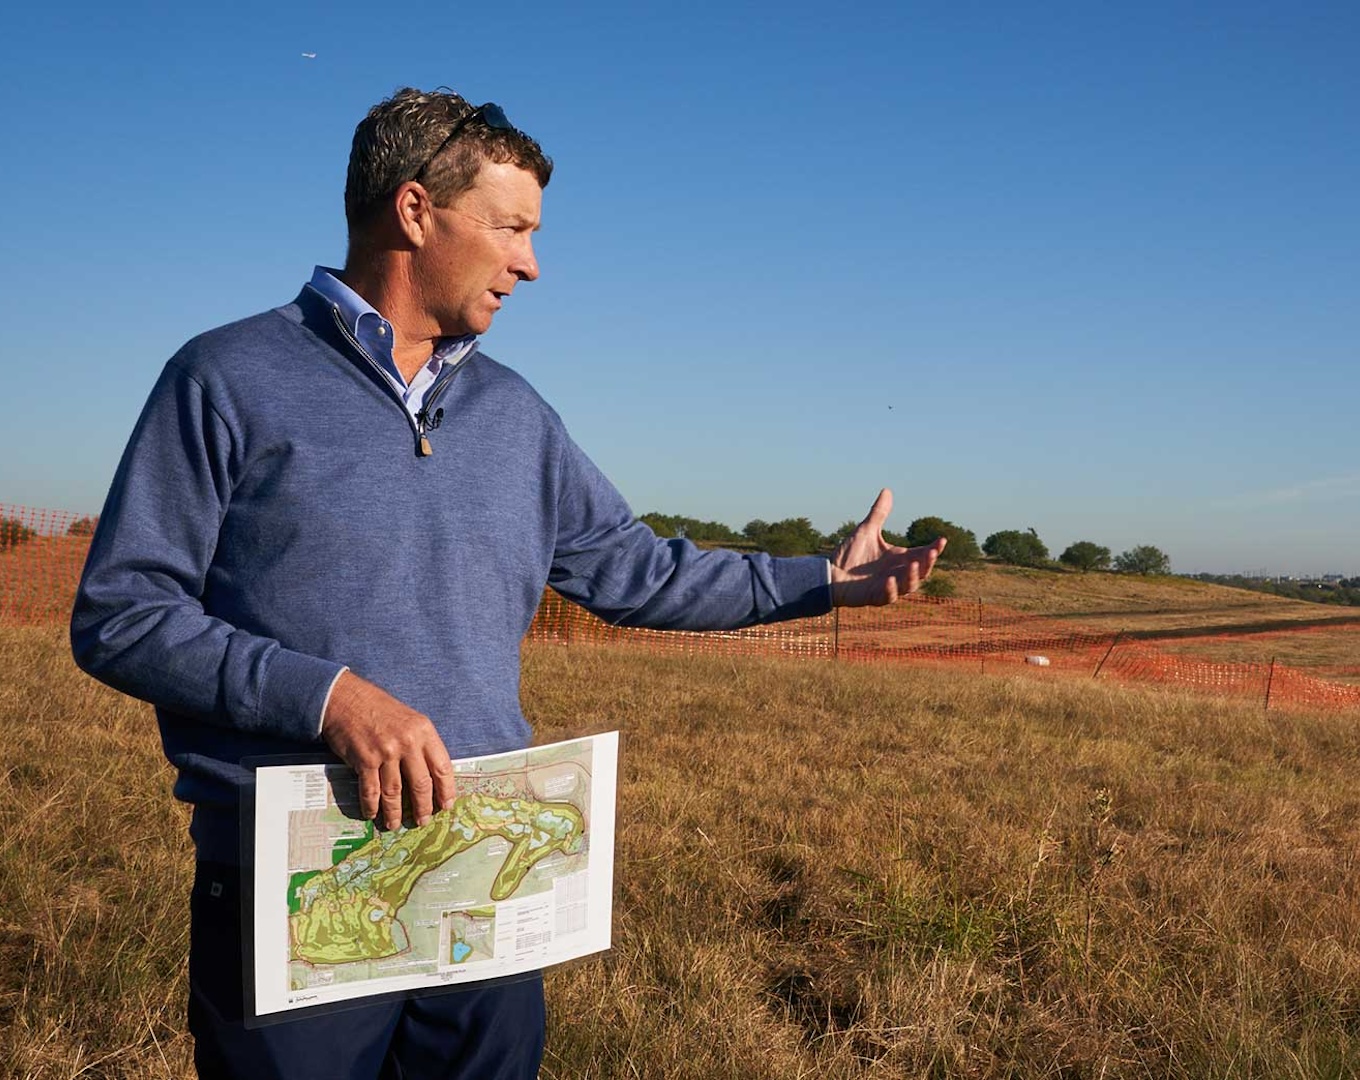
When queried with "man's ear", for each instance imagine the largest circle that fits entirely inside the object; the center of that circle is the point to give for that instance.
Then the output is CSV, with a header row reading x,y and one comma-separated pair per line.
x,y
414,212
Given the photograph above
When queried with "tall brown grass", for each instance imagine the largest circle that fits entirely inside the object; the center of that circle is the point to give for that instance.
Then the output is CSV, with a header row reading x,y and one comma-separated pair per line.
x,y
823,871
94,876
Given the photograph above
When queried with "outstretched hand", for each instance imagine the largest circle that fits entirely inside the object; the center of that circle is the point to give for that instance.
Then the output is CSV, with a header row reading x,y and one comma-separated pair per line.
x,y
867,571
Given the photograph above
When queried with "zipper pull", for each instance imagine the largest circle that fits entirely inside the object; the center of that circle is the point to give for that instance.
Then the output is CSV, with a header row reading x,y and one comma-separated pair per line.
x,y
422,425
427,421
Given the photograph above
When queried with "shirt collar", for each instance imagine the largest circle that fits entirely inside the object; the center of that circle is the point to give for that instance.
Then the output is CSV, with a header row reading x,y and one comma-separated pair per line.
x,y
372,330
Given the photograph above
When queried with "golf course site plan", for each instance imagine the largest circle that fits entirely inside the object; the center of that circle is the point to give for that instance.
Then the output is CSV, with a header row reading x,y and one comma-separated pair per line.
x,y
515,876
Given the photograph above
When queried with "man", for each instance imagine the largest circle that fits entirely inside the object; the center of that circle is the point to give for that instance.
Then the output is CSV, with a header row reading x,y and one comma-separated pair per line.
x,y
332,526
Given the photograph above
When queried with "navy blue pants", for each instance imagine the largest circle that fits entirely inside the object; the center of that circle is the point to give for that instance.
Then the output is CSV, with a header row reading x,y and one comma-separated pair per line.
x,y
471,1034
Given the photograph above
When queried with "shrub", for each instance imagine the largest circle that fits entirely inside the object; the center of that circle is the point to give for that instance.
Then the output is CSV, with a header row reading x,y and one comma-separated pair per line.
x,y
14,532
1017,548
1143,559
1085,555
792,536
83,526
938,586
962,546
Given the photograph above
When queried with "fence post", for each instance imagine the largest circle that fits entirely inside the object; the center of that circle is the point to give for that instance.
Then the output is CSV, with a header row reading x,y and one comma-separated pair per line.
x,y
1113,643
1270,678
982,653
835,633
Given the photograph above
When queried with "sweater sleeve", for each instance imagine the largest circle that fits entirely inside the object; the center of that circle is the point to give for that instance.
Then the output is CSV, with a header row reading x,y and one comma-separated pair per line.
x,y
139,622
615,566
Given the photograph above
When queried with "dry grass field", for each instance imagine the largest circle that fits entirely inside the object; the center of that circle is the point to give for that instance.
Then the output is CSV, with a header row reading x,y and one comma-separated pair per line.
x,y
1188,618
1156,601
823,871
38,578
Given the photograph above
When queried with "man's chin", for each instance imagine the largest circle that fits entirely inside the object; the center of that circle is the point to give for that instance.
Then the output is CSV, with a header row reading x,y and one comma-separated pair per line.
x,y
465,327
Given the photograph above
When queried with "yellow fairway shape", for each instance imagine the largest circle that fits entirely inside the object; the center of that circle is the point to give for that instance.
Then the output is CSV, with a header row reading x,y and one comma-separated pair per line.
x,y
349,912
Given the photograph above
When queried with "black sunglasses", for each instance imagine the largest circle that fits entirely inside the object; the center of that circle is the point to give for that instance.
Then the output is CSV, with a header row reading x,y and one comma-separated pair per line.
x,y
490,114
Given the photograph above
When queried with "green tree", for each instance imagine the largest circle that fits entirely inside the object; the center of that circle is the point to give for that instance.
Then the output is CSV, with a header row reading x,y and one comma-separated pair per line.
x,y
961,547
668,525
834,539
661,524
792,536
14,532
1085,555
1143,559
82,526
1016,547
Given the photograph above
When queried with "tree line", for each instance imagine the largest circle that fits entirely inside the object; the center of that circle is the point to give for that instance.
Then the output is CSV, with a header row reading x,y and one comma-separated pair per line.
x,y
1015,547
798,536
14,532
1345,592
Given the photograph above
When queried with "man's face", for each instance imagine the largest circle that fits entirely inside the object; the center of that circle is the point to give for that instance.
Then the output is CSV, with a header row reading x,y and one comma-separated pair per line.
x,y
480,248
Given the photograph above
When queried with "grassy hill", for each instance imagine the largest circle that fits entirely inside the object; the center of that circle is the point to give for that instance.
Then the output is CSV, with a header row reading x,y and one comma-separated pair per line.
x,y
1178,615
1098,597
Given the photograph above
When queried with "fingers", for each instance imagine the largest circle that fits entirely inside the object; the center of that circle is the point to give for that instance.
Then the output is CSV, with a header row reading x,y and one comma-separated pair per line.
x,y
370,791
865,571
890,591
412,788
419,792
904,582
878,513
921,568
445,785
430,785
389,801
916,565
398,756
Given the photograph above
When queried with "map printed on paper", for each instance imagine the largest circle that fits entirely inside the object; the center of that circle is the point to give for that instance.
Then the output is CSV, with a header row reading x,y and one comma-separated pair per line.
x,y
517,875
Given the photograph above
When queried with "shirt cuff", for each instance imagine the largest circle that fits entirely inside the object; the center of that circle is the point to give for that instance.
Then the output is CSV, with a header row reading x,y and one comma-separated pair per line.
x,y
321,720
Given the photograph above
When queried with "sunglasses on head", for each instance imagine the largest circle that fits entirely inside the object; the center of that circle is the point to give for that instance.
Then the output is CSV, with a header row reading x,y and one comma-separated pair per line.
x,y
490,114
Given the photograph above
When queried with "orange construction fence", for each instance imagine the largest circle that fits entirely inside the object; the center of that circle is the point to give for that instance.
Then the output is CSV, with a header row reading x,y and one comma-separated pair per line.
x,y
41,555
42,552
962,632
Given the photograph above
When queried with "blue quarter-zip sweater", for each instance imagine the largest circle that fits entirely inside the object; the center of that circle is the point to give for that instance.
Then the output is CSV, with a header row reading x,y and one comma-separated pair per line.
x,y
274,519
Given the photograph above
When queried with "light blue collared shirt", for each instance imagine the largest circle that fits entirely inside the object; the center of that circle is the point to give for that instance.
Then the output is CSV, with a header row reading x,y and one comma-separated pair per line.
x,y
374,333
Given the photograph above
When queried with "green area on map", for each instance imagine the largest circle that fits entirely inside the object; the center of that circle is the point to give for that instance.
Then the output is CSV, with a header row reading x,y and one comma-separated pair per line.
x,y
349,911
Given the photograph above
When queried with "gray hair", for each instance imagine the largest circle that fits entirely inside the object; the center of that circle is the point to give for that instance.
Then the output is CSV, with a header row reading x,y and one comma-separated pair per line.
x,y
397,137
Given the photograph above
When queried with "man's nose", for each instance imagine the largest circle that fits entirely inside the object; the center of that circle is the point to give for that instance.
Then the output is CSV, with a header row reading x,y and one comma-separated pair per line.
x,y
525,266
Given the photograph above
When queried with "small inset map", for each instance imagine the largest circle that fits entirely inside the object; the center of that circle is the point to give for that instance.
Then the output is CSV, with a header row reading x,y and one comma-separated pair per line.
x,y
512,877
469,936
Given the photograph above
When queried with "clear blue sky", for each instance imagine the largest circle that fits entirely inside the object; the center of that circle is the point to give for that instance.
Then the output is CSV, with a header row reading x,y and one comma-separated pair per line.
x,y
1091,268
